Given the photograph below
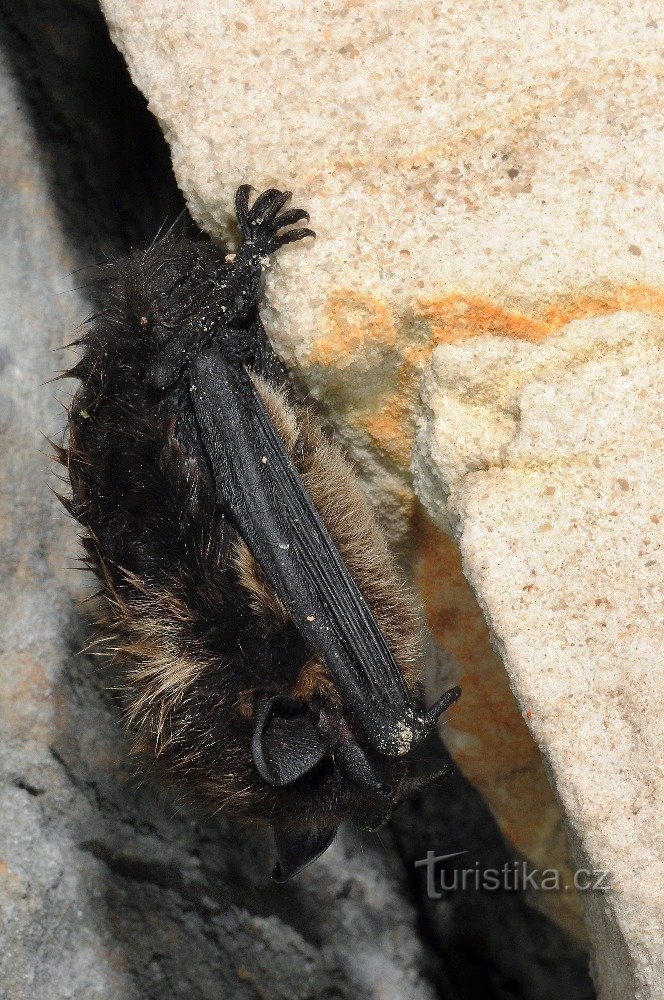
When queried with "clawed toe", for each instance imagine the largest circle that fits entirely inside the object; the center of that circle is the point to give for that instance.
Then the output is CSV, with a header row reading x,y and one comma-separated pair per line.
x,y
261,224
268,204
242,209
291,235
291,216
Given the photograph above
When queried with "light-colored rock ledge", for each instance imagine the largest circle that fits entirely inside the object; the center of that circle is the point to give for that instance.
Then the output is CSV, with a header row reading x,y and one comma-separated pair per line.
x,y
561,535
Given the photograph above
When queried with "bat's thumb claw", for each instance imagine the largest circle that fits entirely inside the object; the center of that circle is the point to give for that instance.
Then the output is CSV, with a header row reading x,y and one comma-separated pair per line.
x,y
432,716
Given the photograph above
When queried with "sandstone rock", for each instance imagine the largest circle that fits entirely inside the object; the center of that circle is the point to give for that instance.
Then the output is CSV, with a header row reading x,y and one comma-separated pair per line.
x,y
562,537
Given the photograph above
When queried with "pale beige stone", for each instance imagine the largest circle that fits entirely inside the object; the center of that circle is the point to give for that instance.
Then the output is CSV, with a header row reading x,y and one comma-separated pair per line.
x,y
472,397
562,536
513,150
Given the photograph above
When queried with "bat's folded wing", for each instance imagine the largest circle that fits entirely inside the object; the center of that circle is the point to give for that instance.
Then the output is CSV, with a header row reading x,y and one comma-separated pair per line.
x,y
260,490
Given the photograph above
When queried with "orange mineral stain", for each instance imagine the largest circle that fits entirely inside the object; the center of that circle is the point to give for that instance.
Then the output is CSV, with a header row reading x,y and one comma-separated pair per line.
x,y
487,708
390,429
353,322
639,298
485,730
386,354
457,317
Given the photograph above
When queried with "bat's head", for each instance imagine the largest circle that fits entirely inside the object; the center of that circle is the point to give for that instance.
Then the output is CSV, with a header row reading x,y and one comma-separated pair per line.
x,y
310,750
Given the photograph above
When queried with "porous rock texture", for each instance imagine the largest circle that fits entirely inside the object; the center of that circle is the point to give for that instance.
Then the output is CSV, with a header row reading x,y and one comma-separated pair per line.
x,y
559,509
484,180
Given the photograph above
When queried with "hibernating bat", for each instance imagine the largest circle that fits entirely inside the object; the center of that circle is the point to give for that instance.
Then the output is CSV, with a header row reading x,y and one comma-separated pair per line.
x,y
270,651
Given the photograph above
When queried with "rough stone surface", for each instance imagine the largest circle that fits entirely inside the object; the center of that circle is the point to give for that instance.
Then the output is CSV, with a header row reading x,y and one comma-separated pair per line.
x,y
562,535
472,170
106,890
484,408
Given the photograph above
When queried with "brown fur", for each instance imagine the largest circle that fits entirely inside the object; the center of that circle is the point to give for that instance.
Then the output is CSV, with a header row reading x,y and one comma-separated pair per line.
x,y
338,496
264,601
160,674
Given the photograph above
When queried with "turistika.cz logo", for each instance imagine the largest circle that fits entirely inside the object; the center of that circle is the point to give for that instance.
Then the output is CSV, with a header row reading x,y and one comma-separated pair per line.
x,y
513,876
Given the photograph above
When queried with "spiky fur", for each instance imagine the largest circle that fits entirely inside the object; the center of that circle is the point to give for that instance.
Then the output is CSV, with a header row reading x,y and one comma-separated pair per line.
x,y
198,632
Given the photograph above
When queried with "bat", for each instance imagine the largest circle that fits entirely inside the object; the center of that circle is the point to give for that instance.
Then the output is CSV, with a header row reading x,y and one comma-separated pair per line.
x,y
269,650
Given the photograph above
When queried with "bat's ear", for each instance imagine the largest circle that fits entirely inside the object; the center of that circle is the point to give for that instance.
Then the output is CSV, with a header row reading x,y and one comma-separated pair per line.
x,y
298,848
286,744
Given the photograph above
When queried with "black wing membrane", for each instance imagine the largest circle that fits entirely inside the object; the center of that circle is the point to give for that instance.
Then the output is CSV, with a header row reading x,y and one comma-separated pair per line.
x,y
260,490
298,848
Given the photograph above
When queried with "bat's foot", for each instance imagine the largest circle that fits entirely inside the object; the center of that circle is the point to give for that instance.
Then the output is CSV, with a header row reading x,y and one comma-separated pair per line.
x,y
262,226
